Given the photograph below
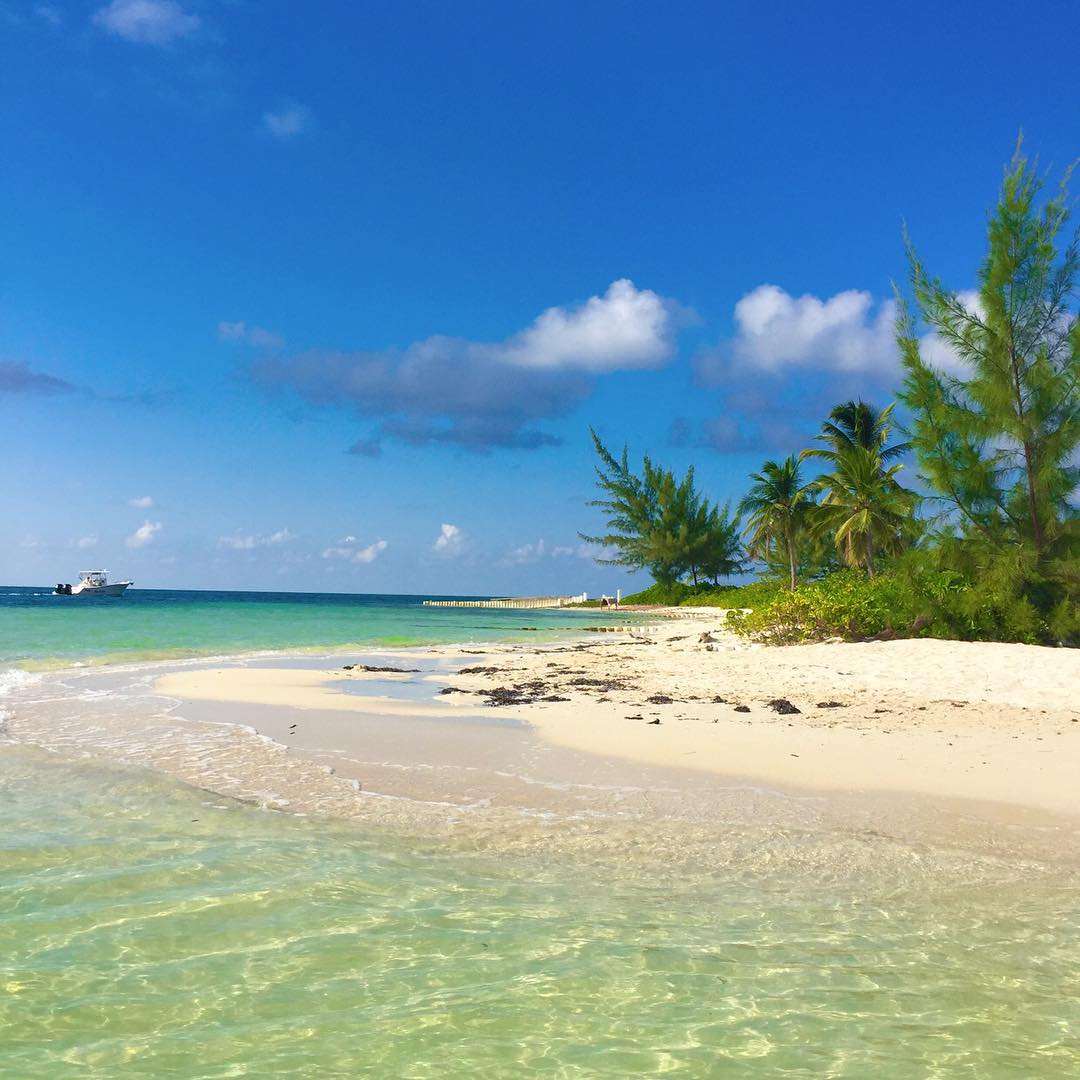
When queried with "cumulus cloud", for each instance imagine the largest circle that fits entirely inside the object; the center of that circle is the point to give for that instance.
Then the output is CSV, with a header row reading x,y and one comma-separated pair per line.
x,y
792,358
481,395
84,543
349,553
625,328
146,22
789,361
777,332
450,541
256,336
50,14
290,120
144,534
239,542
18,378
141,502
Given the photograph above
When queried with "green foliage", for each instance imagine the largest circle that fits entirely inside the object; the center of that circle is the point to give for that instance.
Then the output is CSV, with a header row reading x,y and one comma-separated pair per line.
x,y
864,508
751,595
666,594
722,596
999,440
914,599
778,506
846,604
661,524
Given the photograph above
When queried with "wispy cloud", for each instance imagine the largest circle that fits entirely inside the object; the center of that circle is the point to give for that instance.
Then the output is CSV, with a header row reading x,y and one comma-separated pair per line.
x,y
239,542
290,120
450,542
18,378
534,552
350,553
141,502
481,395
256,336
84,543
50,14
525,553
146,22
144,534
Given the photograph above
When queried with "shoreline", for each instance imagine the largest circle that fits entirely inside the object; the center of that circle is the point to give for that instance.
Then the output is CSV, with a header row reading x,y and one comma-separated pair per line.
x,y
997,728
980,753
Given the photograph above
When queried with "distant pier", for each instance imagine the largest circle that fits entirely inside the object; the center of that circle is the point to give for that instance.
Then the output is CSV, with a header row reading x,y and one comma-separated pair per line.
x,y
513,602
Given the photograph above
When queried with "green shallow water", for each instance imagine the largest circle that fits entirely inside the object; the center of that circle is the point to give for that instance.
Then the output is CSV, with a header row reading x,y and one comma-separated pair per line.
x,y
149,929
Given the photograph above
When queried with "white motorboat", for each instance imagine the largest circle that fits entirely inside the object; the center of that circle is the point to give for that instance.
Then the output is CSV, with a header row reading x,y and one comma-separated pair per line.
x,y
93,583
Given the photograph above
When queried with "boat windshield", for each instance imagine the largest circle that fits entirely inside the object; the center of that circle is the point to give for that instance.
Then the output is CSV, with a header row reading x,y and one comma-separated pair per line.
x,y
93,577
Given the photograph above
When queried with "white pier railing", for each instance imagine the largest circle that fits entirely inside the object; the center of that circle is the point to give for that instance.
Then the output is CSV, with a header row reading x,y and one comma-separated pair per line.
x,y
513,602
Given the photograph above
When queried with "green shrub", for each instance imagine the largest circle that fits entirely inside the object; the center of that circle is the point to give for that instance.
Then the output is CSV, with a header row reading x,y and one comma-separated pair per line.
x,y
751,595
912,600
658,593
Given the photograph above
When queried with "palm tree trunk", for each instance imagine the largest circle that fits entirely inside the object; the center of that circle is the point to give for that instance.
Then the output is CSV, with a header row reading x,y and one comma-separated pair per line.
x,y
869,554
791,558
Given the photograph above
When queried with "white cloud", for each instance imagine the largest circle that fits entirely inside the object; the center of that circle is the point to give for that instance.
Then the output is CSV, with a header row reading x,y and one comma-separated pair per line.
x,y
450,541
526,553
29,542
625,328
357,555
589,552
141,502
530,553
84,543
775,330
50,14
256,336
146,22
144,534
290,120
238,542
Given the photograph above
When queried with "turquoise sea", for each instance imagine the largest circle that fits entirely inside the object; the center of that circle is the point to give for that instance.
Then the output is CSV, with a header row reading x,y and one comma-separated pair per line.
x,y
38,628
153,929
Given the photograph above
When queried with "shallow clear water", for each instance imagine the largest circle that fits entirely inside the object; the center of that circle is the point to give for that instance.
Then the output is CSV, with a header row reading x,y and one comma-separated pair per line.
x,y
149,929
152,929
41,629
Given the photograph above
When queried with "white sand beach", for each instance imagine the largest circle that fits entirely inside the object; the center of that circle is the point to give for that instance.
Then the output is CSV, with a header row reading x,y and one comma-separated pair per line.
x,y
976,721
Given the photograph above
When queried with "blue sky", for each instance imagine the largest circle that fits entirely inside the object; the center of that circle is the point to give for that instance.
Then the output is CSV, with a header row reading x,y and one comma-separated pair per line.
x,y
328,298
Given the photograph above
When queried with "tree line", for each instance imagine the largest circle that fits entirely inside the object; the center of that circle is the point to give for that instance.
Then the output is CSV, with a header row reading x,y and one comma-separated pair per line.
x,y
996,442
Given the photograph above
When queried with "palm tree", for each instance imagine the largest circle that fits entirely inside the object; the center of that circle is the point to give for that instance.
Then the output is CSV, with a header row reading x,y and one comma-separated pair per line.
x,y
864,507
858,424
777,506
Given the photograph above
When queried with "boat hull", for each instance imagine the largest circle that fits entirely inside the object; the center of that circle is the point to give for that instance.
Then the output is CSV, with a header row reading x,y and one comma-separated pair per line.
x,y
112,589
